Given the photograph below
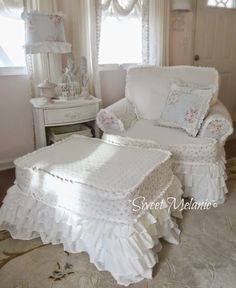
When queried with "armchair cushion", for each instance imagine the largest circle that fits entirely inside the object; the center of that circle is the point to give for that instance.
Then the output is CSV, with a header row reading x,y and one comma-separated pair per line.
x,y
186,106
147,87
164,136
217,124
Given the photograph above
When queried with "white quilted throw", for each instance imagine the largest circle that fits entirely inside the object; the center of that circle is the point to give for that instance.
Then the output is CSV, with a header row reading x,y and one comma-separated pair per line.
x,y
80,192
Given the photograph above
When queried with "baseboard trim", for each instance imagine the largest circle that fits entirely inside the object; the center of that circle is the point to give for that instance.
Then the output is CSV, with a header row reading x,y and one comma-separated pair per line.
x,y
7,164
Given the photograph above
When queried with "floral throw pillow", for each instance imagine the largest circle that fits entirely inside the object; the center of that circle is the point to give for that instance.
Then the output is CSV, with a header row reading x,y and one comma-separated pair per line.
x,y
186,107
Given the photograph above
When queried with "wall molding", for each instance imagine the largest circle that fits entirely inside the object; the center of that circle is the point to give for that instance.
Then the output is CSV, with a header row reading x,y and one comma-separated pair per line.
x,y
7,164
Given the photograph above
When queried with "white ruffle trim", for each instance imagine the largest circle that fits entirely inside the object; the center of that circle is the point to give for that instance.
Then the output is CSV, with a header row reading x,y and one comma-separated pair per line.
x,y
128,251
204,182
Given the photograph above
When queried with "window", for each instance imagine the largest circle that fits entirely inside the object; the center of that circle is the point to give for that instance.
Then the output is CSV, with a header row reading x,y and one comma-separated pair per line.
x,y
122,31
11,42
121,40
222,3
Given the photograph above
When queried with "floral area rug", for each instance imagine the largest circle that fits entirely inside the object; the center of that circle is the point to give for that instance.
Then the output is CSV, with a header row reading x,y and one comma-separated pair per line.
x,y
30,264
206,257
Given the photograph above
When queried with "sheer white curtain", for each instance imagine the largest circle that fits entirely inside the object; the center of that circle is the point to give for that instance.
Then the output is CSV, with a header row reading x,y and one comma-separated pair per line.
x,y
85,35
122,7
129,13
37,64
11,34
11,8
155,26
86,23
159,17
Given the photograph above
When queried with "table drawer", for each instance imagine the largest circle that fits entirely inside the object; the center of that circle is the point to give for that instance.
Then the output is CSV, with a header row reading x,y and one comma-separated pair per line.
x,y
57,116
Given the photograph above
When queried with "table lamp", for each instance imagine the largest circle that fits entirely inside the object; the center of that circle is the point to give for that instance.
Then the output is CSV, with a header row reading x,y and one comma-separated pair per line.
x,y
45,34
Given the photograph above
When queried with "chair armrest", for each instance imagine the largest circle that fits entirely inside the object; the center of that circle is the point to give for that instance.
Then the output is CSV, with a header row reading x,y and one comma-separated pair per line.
x,y
217,124
116,117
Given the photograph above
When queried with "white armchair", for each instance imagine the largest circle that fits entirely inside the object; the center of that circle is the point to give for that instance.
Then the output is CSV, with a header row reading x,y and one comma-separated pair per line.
x,y
198,160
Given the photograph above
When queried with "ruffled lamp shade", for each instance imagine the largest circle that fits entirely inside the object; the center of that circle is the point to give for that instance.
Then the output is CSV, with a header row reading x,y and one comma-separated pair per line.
x,y
45,33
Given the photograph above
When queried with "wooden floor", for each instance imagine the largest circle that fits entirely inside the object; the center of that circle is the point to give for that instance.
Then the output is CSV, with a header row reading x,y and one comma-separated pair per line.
x,y
230,149
7,177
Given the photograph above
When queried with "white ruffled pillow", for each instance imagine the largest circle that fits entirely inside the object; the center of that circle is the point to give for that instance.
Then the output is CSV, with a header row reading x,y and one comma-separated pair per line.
x,y
107,121
186,106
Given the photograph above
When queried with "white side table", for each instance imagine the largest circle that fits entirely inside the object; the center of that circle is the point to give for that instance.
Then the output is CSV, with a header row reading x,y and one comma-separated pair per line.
x,y
60,113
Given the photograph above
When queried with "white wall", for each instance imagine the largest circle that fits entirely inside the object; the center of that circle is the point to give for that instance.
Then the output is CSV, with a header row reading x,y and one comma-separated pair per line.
x,y
16,124
112,85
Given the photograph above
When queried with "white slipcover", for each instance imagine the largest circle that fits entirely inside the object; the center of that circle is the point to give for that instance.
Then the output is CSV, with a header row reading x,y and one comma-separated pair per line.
x,y
148,86
79,192
199,162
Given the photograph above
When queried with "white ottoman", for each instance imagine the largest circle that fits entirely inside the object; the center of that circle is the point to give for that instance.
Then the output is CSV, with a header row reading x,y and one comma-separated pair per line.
x,y
87,194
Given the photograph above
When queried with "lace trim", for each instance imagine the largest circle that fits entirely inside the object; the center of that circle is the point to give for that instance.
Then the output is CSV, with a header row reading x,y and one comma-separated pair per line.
x,y
98,7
